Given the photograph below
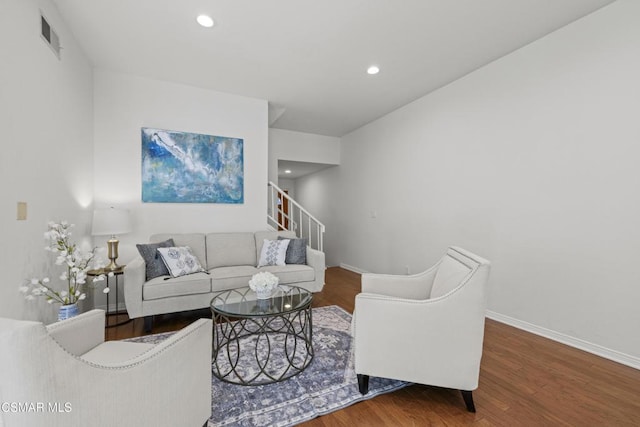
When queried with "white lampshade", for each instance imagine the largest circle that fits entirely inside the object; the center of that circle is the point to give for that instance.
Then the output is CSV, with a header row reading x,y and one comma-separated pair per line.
x,y
110,222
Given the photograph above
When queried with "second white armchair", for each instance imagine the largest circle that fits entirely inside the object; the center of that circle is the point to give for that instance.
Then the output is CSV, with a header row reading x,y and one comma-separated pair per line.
x,y
426,328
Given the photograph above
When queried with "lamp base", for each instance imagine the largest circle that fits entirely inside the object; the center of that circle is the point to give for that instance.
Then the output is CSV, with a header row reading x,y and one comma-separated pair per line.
x,y
112,265
112,246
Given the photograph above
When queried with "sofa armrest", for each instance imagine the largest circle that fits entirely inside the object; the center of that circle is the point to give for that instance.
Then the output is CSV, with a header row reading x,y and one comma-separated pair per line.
x,y
79,334
315,259
134,279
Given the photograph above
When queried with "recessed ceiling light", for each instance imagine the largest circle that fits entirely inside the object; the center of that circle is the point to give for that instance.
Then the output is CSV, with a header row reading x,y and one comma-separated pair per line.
x,y
205,21
373,70
287,171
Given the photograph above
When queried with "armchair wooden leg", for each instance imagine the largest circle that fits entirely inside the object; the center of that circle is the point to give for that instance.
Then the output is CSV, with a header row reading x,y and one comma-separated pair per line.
x,y
468,400
363,383
148,323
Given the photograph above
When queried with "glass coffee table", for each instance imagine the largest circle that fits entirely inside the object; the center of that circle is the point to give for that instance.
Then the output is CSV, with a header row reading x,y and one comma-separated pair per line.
x,y
261,341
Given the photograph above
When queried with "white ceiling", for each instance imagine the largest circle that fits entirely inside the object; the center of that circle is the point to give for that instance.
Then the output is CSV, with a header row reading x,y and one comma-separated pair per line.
x,y
308,58
299,169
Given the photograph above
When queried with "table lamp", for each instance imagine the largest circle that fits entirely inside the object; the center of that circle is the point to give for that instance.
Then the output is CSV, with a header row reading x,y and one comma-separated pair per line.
x,y
110,222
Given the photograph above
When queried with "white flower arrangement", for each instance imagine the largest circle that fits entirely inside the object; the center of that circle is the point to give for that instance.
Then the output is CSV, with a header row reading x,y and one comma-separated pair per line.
x,y
77,264
263,282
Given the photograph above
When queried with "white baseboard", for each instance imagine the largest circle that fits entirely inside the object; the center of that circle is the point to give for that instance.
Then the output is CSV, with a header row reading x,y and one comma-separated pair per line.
x,y
352,268
592,348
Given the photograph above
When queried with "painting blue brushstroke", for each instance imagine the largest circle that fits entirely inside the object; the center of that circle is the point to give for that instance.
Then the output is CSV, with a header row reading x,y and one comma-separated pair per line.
x,y
182,167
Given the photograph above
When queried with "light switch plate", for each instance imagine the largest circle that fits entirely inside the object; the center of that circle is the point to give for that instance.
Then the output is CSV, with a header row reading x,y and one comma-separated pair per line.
x,y
22,211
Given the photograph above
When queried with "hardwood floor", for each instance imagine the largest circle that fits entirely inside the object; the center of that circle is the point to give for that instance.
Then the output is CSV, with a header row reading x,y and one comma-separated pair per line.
x,y
525,380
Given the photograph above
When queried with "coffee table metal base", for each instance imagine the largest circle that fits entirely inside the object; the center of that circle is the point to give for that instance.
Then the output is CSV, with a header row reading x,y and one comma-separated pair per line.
x,y
261,350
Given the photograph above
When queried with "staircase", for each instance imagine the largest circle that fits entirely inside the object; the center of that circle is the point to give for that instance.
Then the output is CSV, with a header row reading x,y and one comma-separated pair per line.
x,y
284,213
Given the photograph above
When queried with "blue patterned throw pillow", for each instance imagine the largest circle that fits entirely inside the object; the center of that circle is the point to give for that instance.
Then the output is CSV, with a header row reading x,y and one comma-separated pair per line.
x,y
180,261
273,252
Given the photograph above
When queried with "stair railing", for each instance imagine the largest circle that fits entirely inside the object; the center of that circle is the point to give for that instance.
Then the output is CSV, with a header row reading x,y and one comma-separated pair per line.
x,y
296,218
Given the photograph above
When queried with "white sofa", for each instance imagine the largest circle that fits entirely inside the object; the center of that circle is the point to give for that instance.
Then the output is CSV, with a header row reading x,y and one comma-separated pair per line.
x,y
230,260
65,374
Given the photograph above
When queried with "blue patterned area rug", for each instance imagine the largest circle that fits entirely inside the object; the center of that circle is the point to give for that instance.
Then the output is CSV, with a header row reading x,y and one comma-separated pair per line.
x,y
327,385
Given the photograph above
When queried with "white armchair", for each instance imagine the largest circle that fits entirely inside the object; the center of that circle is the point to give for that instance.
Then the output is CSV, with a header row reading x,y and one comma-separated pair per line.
x,y
65,374
426,328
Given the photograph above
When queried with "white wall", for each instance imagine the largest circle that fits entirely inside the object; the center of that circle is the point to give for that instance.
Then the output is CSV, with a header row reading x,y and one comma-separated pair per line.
x,y
301,147
311,148
289,185
532,162
124,104
320,194
47,152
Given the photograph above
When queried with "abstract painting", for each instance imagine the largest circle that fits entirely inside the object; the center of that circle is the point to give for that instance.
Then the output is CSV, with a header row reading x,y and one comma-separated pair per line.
x,y
183,167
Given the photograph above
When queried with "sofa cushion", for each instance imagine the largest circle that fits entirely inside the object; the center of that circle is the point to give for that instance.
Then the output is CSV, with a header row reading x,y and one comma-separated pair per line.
x,y
290,274
296,251
230,249
165,287
270,235
153,264
194,240
449,276
180,261
224,278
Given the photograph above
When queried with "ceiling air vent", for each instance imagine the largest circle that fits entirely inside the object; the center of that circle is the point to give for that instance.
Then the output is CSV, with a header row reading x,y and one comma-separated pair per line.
x,y
50,36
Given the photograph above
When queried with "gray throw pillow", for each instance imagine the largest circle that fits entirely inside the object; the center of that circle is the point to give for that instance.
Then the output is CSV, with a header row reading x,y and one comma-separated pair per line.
x,y
154,266
296,251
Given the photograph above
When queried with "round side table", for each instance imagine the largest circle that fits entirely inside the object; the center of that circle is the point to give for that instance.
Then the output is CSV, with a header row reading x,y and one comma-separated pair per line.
x,y
118,272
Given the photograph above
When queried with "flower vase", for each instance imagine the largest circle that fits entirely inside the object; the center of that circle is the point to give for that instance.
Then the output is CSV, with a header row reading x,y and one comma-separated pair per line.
x,y
264,293
67,311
